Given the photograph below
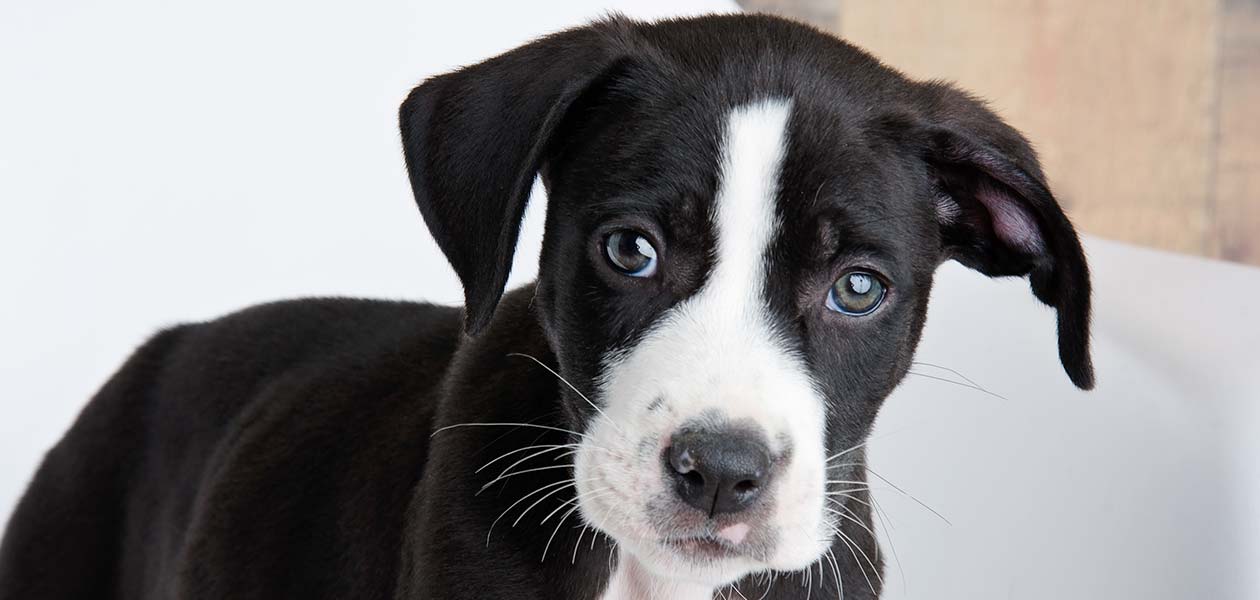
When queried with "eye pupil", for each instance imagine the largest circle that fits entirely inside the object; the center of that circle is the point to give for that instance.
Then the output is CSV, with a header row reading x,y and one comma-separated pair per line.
x,y
631,253
856,294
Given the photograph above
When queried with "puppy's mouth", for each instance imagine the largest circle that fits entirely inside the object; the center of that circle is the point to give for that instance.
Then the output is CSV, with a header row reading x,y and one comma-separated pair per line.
x,y
702,547
711,545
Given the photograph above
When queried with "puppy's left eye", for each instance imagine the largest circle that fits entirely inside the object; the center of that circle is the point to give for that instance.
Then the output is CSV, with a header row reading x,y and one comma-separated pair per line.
x,y
630,253
856,294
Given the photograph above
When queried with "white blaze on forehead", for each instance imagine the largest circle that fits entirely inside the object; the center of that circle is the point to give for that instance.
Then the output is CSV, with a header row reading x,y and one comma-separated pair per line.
x,y
746,221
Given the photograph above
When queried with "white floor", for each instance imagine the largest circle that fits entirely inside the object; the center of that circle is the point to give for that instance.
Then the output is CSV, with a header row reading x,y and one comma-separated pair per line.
x,y
164,162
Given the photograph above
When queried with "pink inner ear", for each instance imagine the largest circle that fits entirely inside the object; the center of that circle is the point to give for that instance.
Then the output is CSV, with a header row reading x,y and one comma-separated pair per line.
x,y
1013,224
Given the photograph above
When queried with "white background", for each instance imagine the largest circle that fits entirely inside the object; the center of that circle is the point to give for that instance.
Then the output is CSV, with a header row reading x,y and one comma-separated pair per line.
x,y
164,162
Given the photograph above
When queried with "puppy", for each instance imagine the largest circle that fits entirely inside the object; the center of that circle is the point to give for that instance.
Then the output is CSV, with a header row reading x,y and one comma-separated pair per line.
x,y
744,219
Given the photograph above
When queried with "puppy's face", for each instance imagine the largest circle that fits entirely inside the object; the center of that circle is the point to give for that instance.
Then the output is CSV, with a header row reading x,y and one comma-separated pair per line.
x,y
738,310
745,216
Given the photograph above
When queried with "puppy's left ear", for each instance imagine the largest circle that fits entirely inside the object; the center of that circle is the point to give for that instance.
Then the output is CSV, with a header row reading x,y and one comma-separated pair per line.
x,y
475,138
998,216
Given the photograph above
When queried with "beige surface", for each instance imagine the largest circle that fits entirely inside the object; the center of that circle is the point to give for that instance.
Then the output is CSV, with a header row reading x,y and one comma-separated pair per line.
x,y
1144,112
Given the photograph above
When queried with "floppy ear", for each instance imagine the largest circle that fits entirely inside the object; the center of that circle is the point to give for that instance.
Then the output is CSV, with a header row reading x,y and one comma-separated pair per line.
x,y
998,216
474,139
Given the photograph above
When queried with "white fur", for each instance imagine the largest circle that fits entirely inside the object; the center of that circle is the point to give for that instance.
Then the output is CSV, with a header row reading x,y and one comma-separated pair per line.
x,y
632,582
715,351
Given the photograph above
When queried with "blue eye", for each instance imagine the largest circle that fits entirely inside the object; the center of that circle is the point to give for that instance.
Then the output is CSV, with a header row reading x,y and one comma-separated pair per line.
x,y
856,294
630,253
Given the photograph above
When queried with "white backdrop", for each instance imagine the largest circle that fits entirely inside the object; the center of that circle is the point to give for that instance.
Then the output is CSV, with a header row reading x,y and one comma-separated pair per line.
x,y
164,162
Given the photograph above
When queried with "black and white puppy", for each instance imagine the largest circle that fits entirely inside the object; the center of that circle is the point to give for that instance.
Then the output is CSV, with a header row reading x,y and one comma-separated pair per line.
x,y
745,217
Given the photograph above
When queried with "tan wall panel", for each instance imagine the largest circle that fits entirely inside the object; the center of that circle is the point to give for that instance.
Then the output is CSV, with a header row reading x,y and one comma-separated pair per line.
x,y
1118,96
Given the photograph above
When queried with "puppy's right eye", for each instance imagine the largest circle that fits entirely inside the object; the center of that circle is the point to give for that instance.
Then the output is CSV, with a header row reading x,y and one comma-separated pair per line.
x,y
630,253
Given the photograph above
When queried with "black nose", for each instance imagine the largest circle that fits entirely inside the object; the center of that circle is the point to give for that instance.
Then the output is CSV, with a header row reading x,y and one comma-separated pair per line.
x,y
718,472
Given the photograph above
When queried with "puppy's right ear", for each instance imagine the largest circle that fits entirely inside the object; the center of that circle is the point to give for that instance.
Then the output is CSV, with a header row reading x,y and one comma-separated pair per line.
x,y
474,139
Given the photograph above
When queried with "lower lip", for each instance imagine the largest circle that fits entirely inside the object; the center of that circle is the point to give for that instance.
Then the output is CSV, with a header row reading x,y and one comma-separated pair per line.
x,y
701,548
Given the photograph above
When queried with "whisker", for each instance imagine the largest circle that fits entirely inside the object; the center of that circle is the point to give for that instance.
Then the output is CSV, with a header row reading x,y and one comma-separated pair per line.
x,y
576,502
908,495
854,519
563,505
885,523
557,530
809,582
558,457
843,452
835,570
572,387
535,426
960,384
578,545
853,498
843,492
840,465
548,448
536,503
947,369
768,584
851,545
611,548
563,484
822,577
533,470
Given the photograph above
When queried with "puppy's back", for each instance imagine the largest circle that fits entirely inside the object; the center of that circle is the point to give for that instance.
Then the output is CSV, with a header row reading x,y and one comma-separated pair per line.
x,y
234,445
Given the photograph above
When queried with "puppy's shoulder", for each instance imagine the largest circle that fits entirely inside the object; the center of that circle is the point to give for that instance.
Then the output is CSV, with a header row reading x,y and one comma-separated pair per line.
x,y
323,409
312,354
290,331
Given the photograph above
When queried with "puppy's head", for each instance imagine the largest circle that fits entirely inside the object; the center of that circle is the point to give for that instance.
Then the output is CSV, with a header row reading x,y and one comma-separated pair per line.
x,y
745,216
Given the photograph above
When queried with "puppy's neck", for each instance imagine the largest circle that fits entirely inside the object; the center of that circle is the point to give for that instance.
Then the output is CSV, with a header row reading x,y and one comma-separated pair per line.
x,y
633,582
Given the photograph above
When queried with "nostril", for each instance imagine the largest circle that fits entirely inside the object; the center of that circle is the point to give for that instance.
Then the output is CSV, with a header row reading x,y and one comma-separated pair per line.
x,y
746,486
689,480
680,460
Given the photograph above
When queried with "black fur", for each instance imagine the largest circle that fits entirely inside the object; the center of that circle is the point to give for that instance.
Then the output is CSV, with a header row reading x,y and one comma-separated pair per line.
x,y
295,449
